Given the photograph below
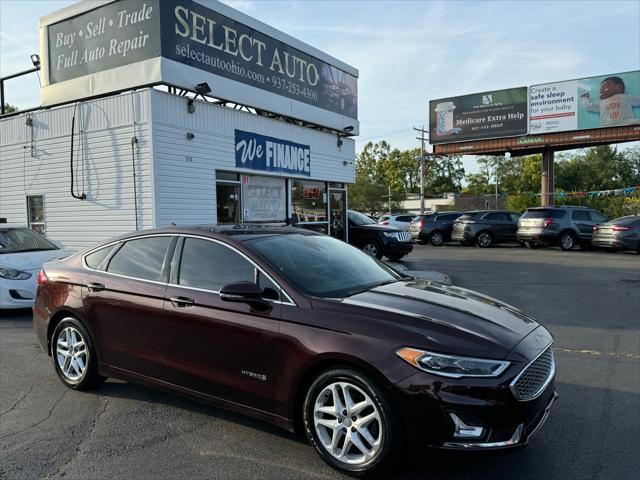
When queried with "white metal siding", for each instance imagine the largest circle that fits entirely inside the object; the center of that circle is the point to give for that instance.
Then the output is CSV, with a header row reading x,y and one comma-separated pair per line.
x,y
105,147
184,169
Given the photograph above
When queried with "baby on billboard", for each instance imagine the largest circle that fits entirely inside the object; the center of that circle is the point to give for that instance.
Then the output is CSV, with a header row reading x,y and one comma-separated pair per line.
x,y
615,106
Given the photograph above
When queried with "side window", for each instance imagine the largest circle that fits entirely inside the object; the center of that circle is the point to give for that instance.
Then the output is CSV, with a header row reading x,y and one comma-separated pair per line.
x,y
492,216
96,259
597,217
405,218
210,266
580,215
514,217
449,217
142,258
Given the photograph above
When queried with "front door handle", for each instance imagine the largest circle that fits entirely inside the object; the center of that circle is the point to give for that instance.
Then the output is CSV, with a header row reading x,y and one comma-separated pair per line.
x,y
95,287
182,301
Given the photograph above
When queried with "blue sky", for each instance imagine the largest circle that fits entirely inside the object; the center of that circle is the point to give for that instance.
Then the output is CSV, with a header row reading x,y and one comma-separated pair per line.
x,y
411,51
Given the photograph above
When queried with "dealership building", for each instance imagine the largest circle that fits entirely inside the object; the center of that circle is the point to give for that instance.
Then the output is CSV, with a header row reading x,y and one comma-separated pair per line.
x,y
177,112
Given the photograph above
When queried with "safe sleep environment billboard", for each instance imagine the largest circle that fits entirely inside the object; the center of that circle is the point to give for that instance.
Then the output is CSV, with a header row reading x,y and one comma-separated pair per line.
x,y
500,113
594,102
122,44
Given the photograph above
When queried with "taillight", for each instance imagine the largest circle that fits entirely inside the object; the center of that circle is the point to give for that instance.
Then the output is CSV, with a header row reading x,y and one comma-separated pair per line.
x,y
547,222
385,223
596,228
42,278
618,228
421,224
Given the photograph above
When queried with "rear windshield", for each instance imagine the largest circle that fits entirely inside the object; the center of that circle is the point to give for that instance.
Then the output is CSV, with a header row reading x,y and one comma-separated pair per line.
x,y
544,213
17,240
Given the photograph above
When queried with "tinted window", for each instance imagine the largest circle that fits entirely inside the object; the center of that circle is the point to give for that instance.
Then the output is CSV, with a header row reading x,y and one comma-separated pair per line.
x,y
544,213
359,219
580,215
597,217
143,258
404,218
494,216
449,217
322,266
210,266
94,260
14,240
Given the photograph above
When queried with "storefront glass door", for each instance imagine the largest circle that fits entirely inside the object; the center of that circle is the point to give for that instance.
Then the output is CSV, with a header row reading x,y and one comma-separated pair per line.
x,y
228,203
338,214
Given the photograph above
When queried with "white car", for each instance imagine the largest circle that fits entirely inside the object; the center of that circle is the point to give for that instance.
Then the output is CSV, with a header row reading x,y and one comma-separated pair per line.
x,y
402,220
22,253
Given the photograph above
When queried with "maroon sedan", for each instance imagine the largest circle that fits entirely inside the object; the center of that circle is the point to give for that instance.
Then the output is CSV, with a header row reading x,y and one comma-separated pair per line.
x,y
301,330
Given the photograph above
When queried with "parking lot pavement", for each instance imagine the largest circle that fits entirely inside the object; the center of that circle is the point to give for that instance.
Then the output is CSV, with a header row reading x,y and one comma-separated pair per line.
x,y
589,300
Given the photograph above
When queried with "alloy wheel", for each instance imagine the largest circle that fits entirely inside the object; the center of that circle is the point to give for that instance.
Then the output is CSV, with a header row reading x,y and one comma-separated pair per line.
x,y
72,354
566,242
484,240
370,249
348,423
437,239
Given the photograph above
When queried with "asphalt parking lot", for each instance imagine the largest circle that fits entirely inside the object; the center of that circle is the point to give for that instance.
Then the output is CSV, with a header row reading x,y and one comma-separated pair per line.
x,y
590,301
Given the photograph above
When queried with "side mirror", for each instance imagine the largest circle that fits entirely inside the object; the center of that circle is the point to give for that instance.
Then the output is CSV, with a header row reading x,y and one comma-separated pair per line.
x,y
245,292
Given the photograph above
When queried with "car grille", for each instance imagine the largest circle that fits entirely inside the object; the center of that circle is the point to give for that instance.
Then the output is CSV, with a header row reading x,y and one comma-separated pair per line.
x,y
403,236
535,377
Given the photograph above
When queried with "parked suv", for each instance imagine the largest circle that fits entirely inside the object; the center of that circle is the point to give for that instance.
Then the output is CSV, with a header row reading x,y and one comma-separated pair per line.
x,y
434,228
565,226
485,227
378,240
400,220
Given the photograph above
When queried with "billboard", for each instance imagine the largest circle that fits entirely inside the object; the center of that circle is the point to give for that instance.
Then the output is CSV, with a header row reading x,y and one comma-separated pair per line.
x,y
496,114
121,44
586,103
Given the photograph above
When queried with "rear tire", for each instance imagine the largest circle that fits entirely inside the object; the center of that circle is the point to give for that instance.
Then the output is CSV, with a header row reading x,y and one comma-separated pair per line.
x,y
436,238
567,241
484,240
358,441
74,357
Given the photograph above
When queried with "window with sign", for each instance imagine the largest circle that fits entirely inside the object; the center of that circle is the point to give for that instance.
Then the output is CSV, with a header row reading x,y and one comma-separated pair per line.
x,y
35,213
308,201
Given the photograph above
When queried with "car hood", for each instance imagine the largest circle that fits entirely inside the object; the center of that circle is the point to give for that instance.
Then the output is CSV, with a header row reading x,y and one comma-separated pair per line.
x,y
448,319
29,261
377,226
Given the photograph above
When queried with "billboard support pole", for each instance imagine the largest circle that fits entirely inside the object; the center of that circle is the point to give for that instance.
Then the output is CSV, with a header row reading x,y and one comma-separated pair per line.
x,y
422,155
546,187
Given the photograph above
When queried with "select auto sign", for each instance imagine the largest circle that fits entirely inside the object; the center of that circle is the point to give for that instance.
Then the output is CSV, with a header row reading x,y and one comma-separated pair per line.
x,y
125,32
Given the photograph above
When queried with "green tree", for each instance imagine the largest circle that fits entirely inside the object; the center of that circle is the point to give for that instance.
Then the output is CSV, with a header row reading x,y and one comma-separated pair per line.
x,y
8,108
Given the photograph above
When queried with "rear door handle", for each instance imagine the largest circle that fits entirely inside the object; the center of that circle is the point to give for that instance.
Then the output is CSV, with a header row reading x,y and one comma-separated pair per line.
x,y
95,287
182,301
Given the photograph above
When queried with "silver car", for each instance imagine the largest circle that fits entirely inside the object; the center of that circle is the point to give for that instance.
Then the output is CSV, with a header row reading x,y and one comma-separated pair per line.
x,y
620,234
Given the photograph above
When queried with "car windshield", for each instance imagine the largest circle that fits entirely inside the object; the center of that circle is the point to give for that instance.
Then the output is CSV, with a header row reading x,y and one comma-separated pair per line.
x,y
360,219
17,240
322,266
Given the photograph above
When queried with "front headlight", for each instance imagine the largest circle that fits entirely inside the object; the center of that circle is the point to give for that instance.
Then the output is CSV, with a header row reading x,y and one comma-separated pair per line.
x,y
452,366
13,274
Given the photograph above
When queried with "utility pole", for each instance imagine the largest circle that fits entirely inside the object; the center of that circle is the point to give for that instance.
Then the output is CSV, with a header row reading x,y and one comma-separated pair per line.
x,y
422,153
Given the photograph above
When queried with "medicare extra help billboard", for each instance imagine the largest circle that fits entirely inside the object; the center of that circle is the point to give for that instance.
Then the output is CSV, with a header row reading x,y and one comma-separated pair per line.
x,y
88,50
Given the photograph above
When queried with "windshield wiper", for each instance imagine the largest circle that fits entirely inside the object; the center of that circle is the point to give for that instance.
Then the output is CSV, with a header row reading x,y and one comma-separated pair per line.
x,y
369,287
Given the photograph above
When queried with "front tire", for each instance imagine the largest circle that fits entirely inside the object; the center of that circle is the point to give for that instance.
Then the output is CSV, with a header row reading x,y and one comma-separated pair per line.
x,y
347,418
74,357
372,247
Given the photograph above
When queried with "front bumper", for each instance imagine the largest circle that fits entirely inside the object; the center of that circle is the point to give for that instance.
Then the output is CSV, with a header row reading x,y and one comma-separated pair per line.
x,y
397,248
537,237
18,293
